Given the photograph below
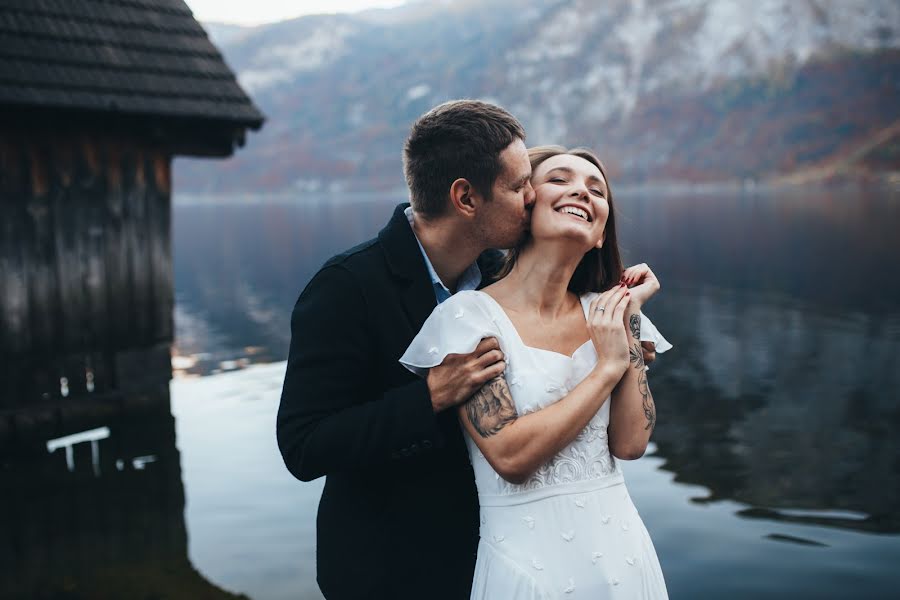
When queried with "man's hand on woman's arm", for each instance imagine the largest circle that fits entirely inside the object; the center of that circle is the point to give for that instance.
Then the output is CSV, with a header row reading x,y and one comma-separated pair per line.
x,y
461,375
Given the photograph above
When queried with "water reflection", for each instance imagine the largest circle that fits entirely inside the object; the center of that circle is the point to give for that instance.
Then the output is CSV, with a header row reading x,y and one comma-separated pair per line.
x,y
778,407
239,268
107,524
831,248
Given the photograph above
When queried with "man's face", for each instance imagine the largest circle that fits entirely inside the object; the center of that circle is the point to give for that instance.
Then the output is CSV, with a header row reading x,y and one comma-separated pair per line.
x,y
504,219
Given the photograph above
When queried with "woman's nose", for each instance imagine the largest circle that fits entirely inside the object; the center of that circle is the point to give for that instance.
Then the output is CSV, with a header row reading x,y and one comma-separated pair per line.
x,y
579,191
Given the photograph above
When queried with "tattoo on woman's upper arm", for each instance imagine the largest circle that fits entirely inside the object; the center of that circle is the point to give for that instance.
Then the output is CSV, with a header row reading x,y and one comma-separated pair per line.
x,y
491,408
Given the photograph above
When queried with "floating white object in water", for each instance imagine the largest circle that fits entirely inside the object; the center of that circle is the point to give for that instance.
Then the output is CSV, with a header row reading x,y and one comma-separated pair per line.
x,y
140,461
91,435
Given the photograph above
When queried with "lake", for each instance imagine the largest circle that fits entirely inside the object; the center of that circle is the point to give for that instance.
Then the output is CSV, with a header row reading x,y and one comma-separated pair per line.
x,y
774,470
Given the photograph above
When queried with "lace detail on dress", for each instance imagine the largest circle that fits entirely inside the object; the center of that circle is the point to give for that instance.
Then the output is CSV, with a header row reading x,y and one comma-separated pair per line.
x,y
587,457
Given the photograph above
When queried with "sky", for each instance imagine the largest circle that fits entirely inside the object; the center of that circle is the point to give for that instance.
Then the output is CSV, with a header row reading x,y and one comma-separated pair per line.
x,y
254,12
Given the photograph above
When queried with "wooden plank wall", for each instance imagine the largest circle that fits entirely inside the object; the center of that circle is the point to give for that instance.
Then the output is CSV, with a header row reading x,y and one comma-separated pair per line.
x,y
85,265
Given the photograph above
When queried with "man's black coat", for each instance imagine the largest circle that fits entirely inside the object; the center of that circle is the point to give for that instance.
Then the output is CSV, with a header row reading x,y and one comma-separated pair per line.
x,y
398,516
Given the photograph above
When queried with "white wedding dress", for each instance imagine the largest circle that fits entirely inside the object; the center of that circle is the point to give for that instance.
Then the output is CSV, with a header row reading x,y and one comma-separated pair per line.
x,y
571,530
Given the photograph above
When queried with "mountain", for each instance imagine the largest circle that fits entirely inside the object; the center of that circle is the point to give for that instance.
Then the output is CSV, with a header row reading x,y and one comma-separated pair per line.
x,y
224,33
669,90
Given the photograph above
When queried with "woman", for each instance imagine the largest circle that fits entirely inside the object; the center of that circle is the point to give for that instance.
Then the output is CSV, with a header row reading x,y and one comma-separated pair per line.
x,y
556,518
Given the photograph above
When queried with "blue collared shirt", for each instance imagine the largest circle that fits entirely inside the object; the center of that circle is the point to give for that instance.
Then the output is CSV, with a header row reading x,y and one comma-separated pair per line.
x,y
469,280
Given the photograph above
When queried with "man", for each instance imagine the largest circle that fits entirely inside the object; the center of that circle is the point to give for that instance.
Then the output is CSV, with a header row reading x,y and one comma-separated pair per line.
x,y
398,516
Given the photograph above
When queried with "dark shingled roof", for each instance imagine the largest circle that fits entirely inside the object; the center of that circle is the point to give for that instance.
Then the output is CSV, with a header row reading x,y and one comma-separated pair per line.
x,y
130,57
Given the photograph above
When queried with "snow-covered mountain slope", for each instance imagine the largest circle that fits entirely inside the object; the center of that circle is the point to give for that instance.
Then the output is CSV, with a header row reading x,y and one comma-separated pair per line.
x,y
664,89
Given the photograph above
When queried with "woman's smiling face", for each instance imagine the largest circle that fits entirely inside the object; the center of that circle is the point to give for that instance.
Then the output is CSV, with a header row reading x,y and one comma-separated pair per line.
x,y
571,200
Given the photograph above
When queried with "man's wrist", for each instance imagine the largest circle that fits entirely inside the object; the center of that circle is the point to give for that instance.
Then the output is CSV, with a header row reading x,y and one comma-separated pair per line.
x,y
437,406
438,401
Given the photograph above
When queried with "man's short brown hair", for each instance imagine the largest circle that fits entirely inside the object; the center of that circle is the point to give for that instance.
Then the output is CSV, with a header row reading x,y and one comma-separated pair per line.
x,y
457,139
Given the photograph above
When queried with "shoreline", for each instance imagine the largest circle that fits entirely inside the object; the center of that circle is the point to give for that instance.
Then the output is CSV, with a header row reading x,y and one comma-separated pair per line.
x,y
789,183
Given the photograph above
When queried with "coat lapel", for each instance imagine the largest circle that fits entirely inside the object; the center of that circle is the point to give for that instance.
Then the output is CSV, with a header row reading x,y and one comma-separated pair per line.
x,y
407,266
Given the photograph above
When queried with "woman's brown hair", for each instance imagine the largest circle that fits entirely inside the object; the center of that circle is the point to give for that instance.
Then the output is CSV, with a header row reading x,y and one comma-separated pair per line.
x,y
601,268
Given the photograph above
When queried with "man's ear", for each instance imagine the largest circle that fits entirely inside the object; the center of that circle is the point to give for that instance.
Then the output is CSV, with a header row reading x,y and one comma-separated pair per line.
x,y
463,197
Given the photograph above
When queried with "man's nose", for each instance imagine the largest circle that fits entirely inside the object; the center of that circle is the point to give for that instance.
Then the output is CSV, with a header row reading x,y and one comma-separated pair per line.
x,y
530,195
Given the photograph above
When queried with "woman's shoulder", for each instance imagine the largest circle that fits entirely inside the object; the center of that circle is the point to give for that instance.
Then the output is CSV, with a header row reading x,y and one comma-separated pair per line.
x,y
468,303
455,326
464,298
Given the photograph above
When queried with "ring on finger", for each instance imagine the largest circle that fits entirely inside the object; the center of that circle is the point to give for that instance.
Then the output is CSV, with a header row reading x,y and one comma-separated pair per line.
x,y
601,309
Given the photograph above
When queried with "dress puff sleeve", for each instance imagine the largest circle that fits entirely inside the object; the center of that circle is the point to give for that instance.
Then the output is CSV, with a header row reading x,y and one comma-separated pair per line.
x,y
456,326
649,333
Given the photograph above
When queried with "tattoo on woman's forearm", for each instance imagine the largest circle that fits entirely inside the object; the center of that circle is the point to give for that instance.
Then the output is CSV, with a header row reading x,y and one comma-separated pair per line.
x,y
634,323
491,408
647,401
636,356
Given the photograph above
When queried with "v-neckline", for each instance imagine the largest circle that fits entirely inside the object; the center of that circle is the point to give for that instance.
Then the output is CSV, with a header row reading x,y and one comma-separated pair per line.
x,y
522,342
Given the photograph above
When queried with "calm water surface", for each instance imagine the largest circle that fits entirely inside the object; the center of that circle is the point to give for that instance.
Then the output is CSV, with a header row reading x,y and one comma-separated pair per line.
x,y
775,466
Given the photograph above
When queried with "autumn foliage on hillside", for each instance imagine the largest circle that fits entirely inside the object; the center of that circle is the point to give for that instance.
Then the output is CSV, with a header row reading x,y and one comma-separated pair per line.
x,y
831,112
759,128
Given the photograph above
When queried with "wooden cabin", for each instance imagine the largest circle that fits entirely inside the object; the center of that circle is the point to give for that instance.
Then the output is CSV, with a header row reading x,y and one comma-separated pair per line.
x,y
96,98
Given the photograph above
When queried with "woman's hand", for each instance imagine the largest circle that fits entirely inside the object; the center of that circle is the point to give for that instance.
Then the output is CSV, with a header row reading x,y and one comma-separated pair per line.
x,y
606,325
642,281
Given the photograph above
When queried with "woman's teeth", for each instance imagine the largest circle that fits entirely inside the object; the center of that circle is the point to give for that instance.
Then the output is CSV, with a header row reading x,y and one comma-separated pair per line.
x,y
571,210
